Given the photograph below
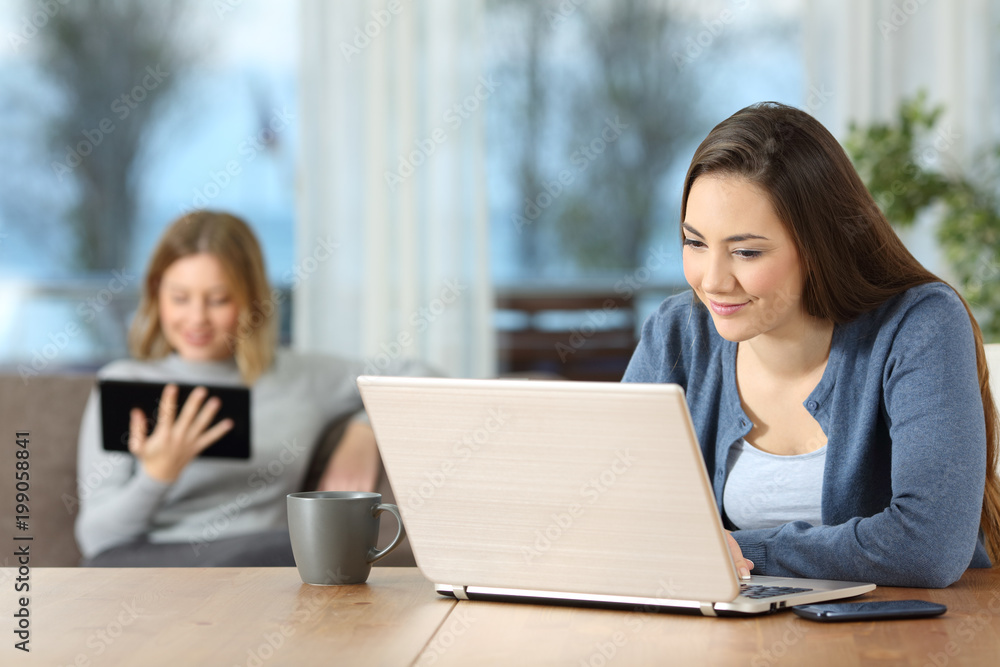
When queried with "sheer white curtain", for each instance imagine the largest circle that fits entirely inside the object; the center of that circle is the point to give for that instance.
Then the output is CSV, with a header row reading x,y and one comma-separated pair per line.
x,y
392,236
863,57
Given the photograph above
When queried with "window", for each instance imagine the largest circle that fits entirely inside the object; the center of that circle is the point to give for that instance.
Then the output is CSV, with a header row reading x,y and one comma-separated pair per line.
x,y
600,107
120,116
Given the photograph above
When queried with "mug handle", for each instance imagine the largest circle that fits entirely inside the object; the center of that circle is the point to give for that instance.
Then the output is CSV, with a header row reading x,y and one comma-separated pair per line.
x,y
374,554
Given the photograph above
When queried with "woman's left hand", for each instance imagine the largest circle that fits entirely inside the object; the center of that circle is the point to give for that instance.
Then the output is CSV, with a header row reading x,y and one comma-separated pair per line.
x,y
354,465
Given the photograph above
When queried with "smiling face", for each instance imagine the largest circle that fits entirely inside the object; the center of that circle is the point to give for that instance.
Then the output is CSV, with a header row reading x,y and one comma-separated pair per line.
x,y
198,311
740,260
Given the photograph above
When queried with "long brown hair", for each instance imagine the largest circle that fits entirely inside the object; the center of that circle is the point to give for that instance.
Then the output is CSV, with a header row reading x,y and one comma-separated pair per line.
x,y
852,259
233,243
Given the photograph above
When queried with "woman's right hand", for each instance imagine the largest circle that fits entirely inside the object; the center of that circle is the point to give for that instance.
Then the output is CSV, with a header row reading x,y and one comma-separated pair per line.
x,y
743,565
174,442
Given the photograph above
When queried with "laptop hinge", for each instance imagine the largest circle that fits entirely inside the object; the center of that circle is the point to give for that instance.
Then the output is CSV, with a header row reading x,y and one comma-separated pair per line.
x,y
460,593
707,609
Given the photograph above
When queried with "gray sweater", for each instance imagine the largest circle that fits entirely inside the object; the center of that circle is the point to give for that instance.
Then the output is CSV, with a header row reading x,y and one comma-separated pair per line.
x,y
290,406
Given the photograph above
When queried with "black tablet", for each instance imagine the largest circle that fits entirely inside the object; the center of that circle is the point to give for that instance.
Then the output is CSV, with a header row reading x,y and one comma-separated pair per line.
x,y
118,397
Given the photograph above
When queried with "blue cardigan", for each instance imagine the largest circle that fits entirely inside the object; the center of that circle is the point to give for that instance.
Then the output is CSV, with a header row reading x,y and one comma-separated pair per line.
x,y
899,402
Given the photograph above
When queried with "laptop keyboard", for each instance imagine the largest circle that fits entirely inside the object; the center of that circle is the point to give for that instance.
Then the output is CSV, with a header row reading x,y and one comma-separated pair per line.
x,y
758,591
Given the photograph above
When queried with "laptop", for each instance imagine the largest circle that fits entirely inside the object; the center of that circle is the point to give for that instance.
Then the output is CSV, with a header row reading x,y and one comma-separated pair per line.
x,y
581,493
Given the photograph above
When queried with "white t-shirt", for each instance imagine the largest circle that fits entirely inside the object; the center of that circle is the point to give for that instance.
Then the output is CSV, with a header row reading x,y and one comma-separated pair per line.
x,y
766,490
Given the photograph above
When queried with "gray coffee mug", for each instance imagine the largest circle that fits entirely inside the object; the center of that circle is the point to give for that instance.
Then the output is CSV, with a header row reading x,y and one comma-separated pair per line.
x,y
334,535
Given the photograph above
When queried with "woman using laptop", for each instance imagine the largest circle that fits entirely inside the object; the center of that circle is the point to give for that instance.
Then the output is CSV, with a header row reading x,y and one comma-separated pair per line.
x,y
839,389
206,317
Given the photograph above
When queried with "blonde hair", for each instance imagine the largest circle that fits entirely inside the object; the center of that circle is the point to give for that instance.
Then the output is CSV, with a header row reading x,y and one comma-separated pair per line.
x,y
231,241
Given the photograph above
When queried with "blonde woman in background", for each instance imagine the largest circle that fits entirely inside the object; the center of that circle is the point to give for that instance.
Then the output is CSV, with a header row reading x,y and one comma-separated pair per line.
x,y
206,318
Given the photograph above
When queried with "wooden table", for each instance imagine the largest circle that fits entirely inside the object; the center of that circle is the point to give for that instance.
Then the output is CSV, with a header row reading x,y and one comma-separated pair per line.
x,y
258,617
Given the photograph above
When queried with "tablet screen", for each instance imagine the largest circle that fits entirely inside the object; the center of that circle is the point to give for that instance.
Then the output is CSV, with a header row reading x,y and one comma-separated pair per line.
x,y
118,397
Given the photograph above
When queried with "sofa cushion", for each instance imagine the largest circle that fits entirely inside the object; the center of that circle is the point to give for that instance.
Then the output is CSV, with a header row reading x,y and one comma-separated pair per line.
x,y
49,408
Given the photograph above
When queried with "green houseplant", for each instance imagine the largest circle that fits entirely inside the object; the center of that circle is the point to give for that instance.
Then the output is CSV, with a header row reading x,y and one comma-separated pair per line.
x,y
908,168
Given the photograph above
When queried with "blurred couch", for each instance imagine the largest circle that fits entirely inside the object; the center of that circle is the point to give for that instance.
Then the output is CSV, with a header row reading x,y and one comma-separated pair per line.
x,y
50,407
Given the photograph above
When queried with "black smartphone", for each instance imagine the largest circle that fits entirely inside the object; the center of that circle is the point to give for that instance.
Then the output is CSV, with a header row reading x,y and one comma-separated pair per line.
x,y
118,397
869,611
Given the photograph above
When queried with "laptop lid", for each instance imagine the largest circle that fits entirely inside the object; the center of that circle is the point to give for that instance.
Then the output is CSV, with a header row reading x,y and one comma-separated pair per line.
x,y
590,488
